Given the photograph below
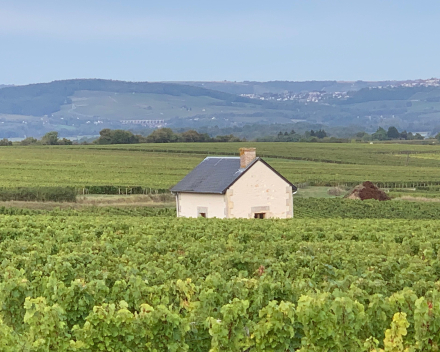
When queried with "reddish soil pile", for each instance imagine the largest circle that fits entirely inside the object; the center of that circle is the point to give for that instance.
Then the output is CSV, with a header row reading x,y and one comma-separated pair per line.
x,y
368,190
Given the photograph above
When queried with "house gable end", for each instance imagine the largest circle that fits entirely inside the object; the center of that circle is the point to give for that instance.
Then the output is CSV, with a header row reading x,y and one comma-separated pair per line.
x,y
260,193
294,188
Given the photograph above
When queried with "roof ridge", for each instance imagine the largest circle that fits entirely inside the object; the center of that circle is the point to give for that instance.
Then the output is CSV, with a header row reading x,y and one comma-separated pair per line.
x,y
222,157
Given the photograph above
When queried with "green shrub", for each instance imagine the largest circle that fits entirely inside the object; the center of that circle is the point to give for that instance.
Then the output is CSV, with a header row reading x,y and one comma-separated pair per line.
x,y
39,194
120,190
5,142
29,141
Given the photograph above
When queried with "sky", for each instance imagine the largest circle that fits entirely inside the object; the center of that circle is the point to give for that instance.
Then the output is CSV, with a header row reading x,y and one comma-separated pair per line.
x,y
143,40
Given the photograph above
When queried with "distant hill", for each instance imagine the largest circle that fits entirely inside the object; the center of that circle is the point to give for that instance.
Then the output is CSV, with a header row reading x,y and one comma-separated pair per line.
x,y
85,106
47,98
250,87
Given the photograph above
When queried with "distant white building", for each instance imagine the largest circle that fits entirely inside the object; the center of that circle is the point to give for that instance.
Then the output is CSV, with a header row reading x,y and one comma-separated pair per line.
x,y
234,187
149,123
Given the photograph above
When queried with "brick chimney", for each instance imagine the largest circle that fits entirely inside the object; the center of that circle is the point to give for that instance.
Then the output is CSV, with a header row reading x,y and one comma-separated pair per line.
x,y
247,155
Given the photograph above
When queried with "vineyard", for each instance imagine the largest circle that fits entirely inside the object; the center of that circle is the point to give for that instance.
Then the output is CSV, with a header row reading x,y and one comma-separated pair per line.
x,y
159,166
341,275
136,283
343,153
305,208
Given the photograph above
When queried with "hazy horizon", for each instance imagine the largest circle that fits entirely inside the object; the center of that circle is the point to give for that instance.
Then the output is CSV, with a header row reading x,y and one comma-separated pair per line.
x,y
197,41
224,81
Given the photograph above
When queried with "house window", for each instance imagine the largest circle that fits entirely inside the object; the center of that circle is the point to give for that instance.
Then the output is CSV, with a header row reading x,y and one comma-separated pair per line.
x,y
260,215
202,212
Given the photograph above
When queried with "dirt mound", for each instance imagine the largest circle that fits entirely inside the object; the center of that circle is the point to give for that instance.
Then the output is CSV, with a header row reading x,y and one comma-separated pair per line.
x,y
367,190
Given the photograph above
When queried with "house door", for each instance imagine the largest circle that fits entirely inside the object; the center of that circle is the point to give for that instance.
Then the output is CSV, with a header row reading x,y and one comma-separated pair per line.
x,y
260,215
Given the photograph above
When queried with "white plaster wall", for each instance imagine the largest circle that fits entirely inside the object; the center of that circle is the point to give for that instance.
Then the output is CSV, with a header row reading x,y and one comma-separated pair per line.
x,y
260,188
190,202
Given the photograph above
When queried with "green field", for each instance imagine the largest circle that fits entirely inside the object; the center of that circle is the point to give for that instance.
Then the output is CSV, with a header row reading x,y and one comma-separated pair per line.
x,y
342,275
346,153
133,283
121,273
160,166
305,208
22,166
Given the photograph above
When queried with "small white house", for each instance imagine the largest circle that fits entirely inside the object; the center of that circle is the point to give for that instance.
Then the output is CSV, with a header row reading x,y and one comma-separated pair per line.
x,y
234,187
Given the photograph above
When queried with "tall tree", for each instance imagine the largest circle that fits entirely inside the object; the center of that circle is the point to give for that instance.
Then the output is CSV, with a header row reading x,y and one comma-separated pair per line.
x,y
404,135
321,134
162,135
393,133
380,134
50,138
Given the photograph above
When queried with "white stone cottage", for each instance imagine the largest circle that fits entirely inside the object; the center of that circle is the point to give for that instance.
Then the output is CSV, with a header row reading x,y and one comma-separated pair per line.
x,y
234,187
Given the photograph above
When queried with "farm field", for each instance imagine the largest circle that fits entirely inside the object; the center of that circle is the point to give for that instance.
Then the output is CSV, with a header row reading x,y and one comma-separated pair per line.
x,y
347,153
23,166
90,283
160,166
341,276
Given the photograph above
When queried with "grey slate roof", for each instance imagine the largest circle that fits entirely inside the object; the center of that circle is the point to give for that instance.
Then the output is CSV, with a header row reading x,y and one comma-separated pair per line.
x,y
215,175
212,175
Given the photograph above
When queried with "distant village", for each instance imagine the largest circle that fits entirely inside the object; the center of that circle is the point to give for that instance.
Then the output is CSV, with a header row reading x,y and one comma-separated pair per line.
x,y
303,97
322,96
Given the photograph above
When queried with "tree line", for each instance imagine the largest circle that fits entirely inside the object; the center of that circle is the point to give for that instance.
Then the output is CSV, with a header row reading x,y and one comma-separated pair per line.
x,y
50,138
308,136
108,136
322,136
161,135
167,135
391,134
